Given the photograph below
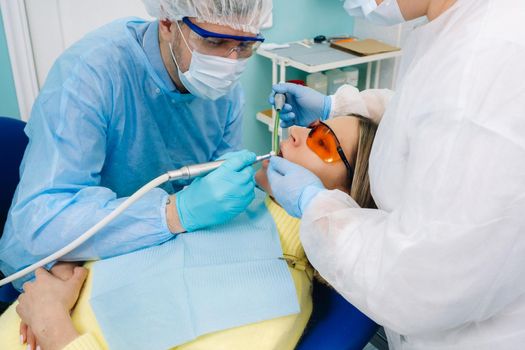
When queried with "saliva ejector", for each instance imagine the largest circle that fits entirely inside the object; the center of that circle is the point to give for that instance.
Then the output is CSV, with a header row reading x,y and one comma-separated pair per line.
x,y
280,100
184,173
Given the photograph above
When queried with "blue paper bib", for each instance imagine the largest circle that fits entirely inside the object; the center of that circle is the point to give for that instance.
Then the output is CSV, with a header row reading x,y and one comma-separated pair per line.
x,y
197,283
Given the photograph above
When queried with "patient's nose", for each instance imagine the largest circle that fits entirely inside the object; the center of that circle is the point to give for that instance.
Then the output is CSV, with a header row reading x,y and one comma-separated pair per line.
x,y
294,135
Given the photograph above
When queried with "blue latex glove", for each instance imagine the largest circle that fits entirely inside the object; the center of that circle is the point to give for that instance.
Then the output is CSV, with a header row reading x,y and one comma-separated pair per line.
x,y
292,186
219,196
303,104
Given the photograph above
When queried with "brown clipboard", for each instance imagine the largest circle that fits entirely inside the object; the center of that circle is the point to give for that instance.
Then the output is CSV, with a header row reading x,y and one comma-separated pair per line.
x,y
364,47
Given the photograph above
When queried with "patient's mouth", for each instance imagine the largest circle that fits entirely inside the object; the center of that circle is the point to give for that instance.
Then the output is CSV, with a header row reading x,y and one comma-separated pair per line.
x,y
280,153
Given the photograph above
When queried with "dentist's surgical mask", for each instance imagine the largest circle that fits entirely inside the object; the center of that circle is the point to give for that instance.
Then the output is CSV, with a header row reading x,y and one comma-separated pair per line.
x,y
208,76
386,14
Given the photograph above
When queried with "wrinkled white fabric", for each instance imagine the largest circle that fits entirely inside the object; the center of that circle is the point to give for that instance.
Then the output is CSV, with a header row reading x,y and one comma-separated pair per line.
x,y
441,263
359,8
387,13
369,103
245,15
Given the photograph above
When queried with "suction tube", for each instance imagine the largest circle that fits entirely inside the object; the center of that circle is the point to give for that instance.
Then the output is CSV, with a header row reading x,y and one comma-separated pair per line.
x,y
186,172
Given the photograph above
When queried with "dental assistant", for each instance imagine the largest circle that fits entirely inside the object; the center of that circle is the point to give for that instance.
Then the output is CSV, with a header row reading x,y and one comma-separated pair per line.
x,y
441,263
125,104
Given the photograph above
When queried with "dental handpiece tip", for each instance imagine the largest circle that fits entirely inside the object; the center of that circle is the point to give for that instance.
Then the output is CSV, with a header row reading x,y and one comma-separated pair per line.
x,y
264,157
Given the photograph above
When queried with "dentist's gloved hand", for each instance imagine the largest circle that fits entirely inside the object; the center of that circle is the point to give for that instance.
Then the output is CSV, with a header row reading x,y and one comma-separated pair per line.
x,y
303,104
292,186
219,196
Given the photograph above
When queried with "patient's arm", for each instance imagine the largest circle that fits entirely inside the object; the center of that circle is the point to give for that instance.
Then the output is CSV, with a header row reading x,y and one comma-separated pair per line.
x,y
46,303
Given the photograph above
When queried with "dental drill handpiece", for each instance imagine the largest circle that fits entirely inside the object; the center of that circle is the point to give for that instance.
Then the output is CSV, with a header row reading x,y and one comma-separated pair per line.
x,y
197,170
280,100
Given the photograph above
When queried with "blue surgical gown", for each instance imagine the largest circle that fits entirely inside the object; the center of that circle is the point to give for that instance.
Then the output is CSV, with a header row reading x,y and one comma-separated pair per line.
x,y
108,120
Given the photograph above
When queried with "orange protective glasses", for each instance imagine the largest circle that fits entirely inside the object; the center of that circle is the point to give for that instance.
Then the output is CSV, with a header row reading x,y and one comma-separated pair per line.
x,y
323,142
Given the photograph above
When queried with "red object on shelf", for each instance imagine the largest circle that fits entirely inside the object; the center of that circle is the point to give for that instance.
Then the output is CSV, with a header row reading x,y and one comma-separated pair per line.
x,y
297,81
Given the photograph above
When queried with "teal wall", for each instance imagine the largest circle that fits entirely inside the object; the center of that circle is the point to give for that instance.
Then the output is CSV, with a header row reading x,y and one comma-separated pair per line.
x,y
292,20
8,102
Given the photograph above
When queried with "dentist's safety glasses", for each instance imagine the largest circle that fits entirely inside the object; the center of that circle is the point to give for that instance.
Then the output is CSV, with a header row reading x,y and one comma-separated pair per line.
x,y
324,143
222,45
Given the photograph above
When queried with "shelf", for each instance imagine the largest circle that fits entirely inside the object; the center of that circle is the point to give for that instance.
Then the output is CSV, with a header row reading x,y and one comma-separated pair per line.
x,y
320,57
317,58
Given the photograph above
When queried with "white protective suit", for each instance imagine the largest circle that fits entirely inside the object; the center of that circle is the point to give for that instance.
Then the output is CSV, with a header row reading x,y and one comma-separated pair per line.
x,y
441,264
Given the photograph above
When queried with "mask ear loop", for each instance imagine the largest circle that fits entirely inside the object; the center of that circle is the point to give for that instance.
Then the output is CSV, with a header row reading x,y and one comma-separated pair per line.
x,y
171,46
183,37
173,56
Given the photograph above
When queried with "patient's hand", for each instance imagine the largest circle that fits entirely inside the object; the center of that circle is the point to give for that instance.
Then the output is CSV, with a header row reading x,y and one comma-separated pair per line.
x,y
46,303
62,270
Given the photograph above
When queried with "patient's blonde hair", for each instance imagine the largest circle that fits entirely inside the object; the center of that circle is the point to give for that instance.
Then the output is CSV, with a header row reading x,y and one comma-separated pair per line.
x,y
360,186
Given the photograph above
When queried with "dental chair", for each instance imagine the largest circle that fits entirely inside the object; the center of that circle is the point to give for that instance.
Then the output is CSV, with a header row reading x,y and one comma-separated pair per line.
x,y
13,142
335,324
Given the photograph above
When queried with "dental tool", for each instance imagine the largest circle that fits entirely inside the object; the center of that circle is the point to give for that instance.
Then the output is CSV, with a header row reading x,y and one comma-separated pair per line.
x,y
198,170
186,172
280,100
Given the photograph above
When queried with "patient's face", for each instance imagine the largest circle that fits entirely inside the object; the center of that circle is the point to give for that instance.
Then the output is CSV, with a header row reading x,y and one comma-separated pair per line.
x,y
294,149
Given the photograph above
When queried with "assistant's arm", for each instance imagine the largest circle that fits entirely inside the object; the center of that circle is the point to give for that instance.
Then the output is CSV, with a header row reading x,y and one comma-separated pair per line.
x,y
452,251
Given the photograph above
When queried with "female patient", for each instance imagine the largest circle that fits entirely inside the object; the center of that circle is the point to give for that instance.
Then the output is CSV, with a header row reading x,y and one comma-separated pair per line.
x,y
336,151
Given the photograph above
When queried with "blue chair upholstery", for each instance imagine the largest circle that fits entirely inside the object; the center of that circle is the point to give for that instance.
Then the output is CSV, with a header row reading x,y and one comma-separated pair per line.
x,y
13,142
335,323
